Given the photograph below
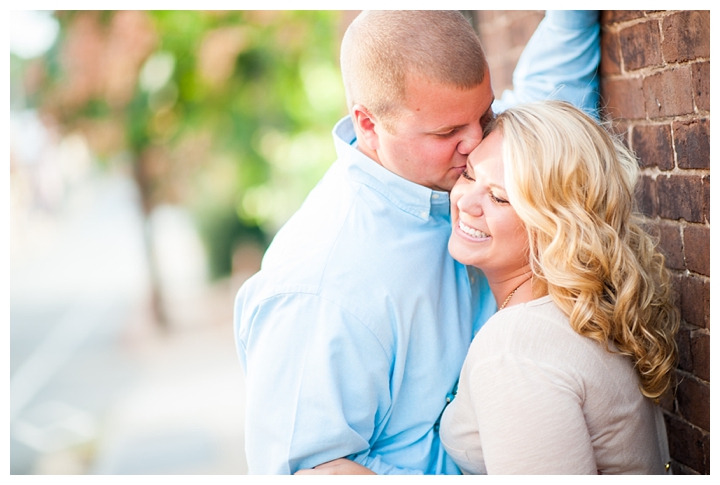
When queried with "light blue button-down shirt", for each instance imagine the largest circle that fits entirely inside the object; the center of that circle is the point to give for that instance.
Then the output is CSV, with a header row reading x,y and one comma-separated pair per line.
x,y
357,325
355,329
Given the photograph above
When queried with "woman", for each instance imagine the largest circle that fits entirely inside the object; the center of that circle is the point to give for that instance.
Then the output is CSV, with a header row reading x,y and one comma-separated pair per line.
x,y
561,379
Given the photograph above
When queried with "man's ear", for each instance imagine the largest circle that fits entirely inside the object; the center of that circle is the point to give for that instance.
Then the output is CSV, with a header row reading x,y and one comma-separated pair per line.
x,y
366,126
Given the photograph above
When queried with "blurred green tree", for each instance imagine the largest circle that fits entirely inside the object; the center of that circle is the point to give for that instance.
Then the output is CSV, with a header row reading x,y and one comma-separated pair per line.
x,y
225,112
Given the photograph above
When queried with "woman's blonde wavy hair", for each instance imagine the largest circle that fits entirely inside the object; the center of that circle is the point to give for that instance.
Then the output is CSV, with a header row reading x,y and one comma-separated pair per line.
x,y
572,184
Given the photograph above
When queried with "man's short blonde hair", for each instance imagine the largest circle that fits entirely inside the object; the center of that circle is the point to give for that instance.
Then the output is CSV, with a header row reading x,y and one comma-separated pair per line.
x,y
382,48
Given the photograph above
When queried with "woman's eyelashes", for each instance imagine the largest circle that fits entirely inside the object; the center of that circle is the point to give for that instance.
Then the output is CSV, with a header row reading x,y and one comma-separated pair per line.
x,y
498,200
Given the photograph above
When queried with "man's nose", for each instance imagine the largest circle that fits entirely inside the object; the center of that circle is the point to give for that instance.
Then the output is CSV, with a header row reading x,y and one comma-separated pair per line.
x,y
471,139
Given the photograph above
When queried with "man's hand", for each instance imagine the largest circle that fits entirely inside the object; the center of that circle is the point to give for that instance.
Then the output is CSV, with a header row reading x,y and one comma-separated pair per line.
x,y
341,466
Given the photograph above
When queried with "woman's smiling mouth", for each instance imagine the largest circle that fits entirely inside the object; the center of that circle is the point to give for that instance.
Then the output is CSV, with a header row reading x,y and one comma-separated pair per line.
x,y
475,233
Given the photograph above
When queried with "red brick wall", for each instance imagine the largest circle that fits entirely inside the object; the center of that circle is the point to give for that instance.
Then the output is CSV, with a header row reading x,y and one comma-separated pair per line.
x,y
655,88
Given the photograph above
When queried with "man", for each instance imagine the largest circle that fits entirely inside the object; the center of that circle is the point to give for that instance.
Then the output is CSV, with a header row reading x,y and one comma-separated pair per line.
x,y
353,334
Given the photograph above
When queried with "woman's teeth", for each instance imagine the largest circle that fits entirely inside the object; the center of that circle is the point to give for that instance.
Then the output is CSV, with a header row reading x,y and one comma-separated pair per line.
x,y
472,232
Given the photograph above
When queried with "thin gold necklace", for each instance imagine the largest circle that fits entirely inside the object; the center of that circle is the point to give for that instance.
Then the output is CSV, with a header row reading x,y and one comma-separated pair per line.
x,y
512,293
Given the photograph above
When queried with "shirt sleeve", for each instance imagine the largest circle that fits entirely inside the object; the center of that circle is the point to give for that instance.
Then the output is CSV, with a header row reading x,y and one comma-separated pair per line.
x,y
317,386
559,62
530,418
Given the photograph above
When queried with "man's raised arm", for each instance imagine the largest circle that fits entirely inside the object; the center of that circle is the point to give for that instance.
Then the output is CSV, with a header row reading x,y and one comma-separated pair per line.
x,y
559,62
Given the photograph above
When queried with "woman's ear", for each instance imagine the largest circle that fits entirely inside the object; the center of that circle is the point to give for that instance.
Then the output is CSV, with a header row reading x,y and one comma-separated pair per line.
x,y
366,126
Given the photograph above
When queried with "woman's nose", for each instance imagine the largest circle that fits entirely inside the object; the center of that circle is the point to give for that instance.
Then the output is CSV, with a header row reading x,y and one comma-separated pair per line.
x,y
469,202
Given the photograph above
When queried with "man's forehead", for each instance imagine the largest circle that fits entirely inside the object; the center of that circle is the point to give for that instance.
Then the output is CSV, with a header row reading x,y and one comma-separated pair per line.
x,y
420,92
448,119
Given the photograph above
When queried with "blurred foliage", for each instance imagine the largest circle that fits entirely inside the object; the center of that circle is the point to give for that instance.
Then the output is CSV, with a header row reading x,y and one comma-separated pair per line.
x,y
227,231
226,112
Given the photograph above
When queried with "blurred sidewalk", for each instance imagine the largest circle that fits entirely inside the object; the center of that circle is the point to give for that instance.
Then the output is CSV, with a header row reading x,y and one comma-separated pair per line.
x,y
184,412
95,386
181,412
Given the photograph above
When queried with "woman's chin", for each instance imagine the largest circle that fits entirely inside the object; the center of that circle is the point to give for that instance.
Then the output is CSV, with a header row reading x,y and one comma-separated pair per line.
x,y
460,254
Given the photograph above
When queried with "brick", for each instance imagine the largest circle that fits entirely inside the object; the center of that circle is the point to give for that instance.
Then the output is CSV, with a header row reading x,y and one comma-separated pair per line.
x,y
615,16
671,245
680,469
701,85
650,226
653,145
686,35
706,198
495,43
623,98
700,347
693,399
696,242
667,401
502,70
624,133
667,94
681,197
523,27
692,143
610,53
685,357
618,127
640,45
646,196
694,301
686,444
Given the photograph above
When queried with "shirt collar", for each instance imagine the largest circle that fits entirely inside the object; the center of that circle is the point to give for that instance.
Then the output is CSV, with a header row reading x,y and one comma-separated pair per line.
x,y
410,197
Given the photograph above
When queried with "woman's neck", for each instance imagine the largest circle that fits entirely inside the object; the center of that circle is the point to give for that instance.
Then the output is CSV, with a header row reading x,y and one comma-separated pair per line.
x,y
513,289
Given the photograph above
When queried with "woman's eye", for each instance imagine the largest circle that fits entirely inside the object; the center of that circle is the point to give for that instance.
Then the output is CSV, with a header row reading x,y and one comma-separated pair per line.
x,y
467,175
498,200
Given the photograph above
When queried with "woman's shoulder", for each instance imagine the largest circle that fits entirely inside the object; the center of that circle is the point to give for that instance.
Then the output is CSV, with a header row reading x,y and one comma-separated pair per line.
x,y
538,331
528,321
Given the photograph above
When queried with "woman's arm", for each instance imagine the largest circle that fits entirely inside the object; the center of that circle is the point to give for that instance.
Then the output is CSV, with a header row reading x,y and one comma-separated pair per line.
x,y
530,418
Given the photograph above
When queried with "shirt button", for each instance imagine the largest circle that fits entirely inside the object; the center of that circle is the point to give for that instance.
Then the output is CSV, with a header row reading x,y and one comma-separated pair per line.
x,y
472,279
424,214
435,196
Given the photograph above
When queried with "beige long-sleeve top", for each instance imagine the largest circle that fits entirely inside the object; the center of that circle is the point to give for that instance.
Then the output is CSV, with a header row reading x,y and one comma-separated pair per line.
x,y
535,397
